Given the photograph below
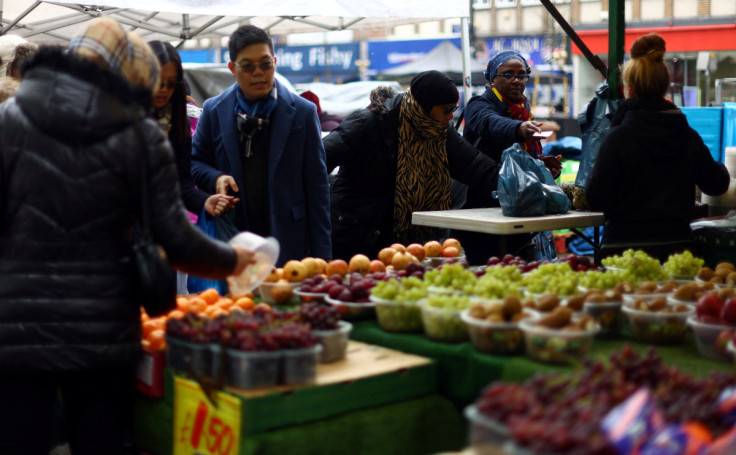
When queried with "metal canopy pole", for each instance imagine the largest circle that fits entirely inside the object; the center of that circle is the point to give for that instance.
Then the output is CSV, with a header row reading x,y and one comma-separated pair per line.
x,y
616,35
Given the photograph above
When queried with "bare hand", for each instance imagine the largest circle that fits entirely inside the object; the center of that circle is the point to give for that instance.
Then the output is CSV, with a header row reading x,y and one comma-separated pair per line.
x,y
224,184
528,129
245,257
218,203
553,164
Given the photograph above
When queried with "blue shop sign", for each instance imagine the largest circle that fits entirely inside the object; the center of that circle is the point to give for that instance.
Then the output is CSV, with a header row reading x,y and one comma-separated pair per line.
x,y
388,54
312,59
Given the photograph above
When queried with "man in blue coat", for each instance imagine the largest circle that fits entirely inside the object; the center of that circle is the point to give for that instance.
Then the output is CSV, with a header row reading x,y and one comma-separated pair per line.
x,y
262,144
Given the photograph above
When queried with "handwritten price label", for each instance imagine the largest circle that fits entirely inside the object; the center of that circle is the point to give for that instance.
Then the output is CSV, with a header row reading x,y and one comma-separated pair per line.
x,y
199,427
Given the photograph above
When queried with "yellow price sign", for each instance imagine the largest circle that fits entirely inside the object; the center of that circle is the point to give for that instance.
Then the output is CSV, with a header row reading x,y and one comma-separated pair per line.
x,y
199,427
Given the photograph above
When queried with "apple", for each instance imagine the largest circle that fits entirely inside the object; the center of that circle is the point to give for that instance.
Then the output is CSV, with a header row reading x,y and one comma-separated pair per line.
x,y
337,267
728,314
386,254
295,271
708,305
452,242
450,252
432,249
401,260
275,275
359,263
377,266
398,247
321,265
312,266
416,250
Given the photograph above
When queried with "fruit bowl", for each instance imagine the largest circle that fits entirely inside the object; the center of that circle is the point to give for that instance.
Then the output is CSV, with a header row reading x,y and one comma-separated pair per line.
x,y
273,294
310,297
443,324
439,260
353,310
398,316
711,339
485,431
608,316
660,327
630,298
554,345
495,337
334,342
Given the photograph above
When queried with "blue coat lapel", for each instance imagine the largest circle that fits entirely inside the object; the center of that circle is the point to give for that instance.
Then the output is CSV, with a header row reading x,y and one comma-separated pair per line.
x,y
229,132
285,113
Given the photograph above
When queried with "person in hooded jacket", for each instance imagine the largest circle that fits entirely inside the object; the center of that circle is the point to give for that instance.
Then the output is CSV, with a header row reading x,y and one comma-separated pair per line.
x,y
396,157
71,144
645,174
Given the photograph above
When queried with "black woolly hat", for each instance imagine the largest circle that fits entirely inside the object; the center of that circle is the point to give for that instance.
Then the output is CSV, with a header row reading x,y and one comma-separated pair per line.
x,y
433,88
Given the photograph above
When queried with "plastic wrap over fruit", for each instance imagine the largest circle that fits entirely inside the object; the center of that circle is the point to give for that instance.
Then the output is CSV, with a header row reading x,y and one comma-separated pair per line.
x,y
266,252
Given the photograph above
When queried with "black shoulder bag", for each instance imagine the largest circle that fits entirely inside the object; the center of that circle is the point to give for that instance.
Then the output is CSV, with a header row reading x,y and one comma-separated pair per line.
x,y
156,278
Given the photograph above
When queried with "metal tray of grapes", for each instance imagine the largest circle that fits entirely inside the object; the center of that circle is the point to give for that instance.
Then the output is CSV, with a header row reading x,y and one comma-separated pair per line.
x,y
353,311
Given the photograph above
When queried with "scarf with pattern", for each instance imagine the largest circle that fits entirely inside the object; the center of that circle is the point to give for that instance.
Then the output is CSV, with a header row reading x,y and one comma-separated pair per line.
x,y
423,176
521,111
163,116
261,107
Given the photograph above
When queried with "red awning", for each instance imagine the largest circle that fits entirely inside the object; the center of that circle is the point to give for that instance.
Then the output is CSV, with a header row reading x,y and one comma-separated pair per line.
x,y
691,38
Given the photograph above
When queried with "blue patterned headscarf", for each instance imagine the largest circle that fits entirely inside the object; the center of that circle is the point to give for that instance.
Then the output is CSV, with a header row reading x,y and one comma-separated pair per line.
x,y
498,60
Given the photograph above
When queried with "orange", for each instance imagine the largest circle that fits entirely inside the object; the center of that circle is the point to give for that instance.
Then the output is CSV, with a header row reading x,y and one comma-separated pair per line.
x,y
157,338
144,315
196,305
145,344
182,303
224,303
148,327
210,295
218,312
245,303
175,314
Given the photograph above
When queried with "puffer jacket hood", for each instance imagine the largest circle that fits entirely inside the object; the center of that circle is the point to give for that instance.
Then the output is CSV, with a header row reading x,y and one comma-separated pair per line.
x,y
63,96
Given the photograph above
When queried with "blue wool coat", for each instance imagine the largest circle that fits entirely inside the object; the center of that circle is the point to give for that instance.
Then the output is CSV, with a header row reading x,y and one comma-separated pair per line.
x,y
298,188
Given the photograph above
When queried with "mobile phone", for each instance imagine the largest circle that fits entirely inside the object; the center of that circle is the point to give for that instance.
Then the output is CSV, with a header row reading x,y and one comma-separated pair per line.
x,y
542,135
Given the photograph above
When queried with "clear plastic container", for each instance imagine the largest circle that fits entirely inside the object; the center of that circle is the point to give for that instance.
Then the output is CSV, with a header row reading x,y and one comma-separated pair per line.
x,y
353,310
300,365
631,298
266,252
436,261
657,327
495,337
310,297
711,339
443,324
186,357
398,316
252,370
554,345
484,431
265,290
334,342
608,315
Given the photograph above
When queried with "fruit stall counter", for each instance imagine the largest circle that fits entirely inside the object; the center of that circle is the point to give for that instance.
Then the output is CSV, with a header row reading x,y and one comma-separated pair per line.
x,y
492,221
463,372
376,400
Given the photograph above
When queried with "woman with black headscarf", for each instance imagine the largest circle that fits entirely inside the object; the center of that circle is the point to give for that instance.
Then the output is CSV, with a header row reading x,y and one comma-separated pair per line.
x,y
396,157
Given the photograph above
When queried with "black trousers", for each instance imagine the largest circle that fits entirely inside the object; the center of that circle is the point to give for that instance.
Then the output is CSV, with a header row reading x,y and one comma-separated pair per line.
x,y
96,407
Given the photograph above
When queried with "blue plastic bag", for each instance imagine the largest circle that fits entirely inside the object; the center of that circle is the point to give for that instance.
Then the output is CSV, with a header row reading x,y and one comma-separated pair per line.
x,y
526,187
219,227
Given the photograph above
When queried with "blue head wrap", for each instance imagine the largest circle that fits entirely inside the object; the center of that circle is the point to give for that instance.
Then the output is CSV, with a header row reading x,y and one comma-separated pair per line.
x,y
499,59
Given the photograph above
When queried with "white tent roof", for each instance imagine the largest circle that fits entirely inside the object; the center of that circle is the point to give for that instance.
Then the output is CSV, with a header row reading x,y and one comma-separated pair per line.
x,y
445,57
57,21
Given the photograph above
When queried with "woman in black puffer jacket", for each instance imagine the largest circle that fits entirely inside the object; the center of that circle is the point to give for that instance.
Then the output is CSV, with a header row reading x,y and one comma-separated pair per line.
x,y
396,157
71,141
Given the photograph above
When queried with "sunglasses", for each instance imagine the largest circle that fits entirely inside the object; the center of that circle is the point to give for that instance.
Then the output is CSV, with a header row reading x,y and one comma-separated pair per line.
x,y
171,85
451,109
523,77
250,68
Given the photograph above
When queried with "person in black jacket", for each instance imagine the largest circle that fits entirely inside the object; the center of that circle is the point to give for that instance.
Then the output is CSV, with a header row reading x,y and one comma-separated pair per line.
x,y
71,144
644,177
397,157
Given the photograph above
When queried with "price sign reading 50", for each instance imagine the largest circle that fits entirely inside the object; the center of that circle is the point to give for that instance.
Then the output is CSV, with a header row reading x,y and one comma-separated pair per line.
x,y
199,427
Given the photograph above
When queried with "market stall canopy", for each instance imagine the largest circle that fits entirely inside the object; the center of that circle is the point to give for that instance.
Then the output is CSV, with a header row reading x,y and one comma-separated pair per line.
x,y
46,21
447,58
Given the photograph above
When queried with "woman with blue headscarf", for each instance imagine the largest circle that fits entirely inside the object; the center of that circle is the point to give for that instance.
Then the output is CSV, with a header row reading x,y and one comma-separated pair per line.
x,y
494,121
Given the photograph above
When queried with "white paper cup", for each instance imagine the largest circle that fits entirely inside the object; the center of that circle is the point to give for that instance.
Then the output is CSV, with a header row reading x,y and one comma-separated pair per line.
x,y
266,252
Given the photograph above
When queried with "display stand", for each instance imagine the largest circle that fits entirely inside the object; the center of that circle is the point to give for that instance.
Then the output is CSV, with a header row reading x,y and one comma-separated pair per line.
x,y
354,406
